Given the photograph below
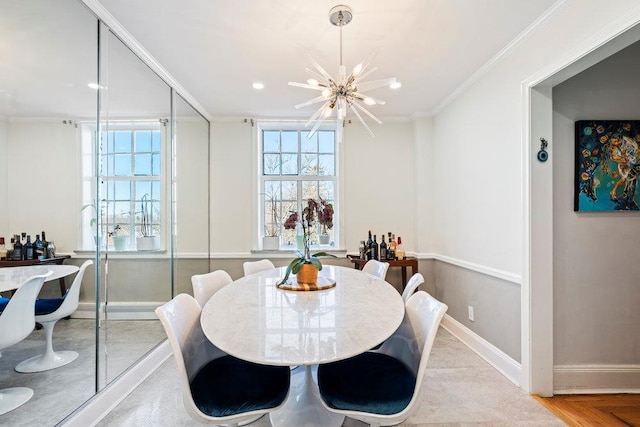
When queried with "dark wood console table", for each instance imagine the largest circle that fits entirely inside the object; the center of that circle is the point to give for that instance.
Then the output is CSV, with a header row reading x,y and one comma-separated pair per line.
x,y
412,262
55,260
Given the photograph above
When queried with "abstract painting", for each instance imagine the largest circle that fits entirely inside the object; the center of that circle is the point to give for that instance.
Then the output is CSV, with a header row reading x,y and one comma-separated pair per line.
x,y
607,165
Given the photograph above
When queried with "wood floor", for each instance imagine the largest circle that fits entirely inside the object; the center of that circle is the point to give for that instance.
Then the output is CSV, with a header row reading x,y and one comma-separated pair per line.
x,y
595,410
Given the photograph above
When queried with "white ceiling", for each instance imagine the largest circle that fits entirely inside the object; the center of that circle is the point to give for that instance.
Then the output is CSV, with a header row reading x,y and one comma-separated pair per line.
x,y
217,48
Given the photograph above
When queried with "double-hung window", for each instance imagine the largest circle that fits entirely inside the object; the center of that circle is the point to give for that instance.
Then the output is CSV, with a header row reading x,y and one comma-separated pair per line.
x,y
131,170
294,168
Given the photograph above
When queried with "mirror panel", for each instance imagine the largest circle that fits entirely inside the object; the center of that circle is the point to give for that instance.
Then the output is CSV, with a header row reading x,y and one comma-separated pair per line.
x,y
49,56
191,195
134,185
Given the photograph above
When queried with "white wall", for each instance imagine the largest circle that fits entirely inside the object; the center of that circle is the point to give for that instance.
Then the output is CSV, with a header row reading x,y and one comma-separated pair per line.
x,y
377,185
478,175
44,178
4,182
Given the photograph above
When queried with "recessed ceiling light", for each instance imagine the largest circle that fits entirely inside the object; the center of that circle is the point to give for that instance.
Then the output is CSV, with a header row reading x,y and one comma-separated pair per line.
x,y
395,85
258,85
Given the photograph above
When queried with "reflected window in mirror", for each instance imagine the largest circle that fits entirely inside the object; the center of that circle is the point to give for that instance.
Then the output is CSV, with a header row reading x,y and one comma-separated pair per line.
x,y
132,182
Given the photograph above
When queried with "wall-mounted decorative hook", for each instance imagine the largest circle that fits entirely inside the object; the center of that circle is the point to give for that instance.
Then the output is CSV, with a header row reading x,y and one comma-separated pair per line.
x,y
543,156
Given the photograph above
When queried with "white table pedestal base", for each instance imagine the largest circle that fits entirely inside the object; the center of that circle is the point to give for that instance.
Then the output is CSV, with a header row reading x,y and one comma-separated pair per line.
x,y
303,407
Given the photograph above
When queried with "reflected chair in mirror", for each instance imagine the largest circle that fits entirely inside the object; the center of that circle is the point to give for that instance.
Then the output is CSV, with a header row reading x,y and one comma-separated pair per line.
x,y
216,387
381,387
412,285
205,285
251,267
48,312
376,268
16,323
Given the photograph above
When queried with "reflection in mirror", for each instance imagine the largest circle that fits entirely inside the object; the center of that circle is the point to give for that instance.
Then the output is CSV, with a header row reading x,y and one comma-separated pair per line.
x,y
191,190
133,182
49,56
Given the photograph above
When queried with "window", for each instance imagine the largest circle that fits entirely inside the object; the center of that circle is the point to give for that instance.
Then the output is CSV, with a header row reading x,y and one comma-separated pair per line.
x,y
131,167
295,167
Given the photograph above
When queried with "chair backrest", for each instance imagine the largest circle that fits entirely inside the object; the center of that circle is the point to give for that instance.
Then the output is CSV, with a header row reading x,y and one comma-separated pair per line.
x,y
18,319
376,268
251,267
205,285
412,284
413,340
72,297
180,318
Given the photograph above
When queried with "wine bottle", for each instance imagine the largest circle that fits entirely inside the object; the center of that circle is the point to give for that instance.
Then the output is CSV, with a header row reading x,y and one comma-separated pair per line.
x,y
17,249
391,248
374,249
400,254
383,249
37,247
369,246
3,249
45,246
28,248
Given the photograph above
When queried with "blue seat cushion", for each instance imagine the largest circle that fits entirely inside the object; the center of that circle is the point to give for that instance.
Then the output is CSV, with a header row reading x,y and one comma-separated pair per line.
x,y
370,382
229,386
3,303
47,305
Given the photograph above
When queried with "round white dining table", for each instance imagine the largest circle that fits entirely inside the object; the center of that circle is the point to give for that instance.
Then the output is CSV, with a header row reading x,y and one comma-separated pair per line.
x,y
254,320
13,277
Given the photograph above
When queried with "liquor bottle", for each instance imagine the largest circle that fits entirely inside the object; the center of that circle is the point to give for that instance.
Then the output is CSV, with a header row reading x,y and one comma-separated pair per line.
x,y
391,248
400,254
10,249
3,249
374,249
369,246
28,248
17,249
362,251
45,246
38,248
383,249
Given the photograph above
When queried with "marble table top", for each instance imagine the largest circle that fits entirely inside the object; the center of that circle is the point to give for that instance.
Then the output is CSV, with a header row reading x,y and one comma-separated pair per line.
x,y
13,277
254,320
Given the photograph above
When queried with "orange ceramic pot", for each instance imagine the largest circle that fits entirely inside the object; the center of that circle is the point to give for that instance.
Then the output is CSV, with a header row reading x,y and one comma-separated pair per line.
x,y
307,274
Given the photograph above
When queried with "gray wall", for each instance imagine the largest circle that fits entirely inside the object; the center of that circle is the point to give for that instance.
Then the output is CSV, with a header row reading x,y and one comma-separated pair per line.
x,y
495,302
596,266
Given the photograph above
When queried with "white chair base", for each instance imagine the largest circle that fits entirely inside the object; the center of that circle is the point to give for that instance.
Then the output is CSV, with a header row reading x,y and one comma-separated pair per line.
x,y
47,361
303,393
11,398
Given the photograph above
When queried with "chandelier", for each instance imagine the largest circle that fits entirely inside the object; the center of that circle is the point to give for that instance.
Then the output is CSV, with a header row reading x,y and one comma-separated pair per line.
x,y
346,92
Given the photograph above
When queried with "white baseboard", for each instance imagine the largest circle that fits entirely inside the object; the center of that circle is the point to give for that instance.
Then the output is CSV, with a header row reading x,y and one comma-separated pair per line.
x,y
596,379
493,355
119,310
96,408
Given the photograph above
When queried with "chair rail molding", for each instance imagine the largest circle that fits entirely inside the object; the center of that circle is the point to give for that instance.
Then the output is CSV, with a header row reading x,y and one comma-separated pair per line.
x,y
489,271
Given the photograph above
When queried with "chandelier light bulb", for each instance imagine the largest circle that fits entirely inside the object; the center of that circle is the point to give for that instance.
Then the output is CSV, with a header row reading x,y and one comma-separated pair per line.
x,y
369,101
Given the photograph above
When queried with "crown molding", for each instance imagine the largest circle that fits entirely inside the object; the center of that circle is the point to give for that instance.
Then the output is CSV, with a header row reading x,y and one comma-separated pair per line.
x,y
127,38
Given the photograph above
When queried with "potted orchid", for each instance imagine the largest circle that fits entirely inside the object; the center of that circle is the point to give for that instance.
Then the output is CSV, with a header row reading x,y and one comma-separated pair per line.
x,y
325,218
306,265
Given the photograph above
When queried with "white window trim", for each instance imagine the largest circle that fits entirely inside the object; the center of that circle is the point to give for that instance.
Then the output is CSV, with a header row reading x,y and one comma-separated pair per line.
x,y
256,163
88,180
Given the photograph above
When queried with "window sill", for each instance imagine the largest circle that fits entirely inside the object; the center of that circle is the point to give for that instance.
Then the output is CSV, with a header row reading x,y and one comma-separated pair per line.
x,y
286,252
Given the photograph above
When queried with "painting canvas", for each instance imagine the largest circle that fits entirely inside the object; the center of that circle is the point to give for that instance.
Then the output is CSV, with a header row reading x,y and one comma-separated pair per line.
x,y
607,165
